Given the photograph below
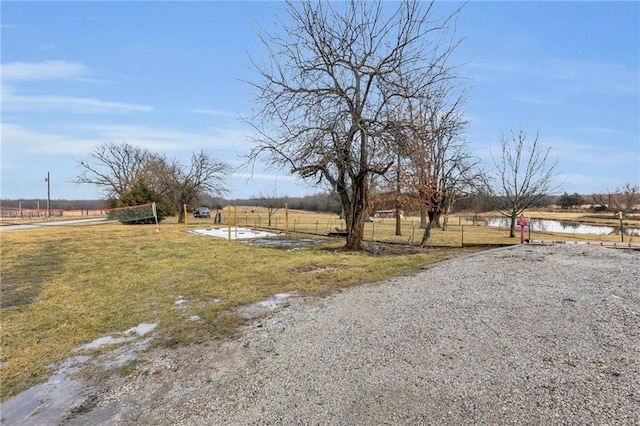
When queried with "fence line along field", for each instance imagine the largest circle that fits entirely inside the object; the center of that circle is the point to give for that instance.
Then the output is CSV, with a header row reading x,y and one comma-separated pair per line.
x,y
18,215
467,229
65,286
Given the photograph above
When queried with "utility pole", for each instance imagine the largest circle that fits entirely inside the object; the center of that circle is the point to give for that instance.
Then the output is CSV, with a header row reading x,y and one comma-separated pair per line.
x,y
398,176
48,180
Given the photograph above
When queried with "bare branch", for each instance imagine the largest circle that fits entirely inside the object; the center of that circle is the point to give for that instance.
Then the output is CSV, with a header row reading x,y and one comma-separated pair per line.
x,y
116,168
330,76
524,175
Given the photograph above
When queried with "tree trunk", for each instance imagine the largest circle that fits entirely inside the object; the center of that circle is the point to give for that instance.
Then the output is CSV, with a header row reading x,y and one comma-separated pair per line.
x,y
180,208
423,219
356,215
512,228
355,230
398,223
427,230
436,221
355,236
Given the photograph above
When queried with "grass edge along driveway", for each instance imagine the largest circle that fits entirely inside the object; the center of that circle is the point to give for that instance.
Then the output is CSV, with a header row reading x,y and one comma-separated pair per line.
x,y
63,287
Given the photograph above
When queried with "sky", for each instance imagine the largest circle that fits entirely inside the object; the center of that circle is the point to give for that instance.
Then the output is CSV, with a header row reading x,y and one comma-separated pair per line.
x,y
169,77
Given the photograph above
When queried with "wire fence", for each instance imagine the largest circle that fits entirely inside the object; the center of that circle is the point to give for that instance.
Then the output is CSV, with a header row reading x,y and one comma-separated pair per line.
x,y
459,230
17,215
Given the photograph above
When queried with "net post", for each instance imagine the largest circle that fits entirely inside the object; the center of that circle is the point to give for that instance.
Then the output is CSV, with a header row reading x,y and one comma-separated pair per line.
x,y
235,218
286,218
229,221
155,216
184,209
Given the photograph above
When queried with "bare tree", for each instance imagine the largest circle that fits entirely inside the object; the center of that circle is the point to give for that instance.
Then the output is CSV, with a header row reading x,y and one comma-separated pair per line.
x,y
272,202
205,175
331,78
622,200
439,164
523,176
113,167
117,167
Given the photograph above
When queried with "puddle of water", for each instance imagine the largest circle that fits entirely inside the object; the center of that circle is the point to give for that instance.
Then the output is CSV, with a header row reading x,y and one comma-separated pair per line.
x,y
264,306
286,243
123,355
548,225
237,233
45,403
142,328
48,403
104,341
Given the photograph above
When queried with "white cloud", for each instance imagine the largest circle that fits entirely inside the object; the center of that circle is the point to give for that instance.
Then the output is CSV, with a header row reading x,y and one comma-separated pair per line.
x,y
534,99
576,76
20,73
48,46
80,105
594,77
214,112
75,139
57,148
5,26
588,154
164,139
246,185
48,70
601,130
264,176
498,65
586,183
20,142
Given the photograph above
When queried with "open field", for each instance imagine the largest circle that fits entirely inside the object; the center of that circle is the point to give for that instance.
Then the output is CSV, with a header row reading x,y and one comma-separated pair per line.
x,y
66,286
63,287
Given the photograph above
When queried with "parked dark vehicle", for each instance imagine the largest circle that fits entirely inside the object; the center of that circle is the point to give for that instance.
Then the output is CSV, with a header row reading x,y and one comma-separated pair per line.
x,y
202,212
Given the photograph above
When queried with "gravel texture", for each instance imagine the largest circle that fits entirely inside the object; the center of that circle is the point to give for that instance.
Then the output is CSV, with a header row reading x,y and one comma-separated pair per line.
x,y
524,335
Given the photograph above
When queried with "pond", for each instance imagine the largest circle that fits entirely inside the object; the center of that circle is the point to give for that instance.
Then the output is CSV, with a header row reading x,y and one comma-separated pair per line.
x,y
548,225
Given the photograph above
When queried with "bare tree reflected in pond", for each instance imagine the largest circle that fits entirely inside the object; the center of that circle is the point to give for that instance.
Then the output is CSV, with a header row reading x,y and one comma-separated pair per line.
x,y
548,225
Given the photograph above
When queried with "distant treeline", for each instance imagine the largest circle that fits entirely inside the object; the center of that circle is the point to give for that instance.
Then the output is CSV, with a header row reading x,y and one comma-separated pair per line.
x,y
319,202
56,204
322,202
327,203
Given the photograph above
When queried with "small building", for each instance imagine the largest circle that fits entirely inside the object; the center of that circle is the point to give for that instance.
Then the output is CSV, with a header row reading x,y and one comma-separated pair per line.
x,y
382,214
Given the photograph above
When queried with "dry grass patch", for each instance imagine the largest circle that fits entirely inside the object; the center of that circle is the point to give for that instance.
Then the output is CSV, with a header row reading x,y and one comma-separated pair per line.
x,y
63,287
66,286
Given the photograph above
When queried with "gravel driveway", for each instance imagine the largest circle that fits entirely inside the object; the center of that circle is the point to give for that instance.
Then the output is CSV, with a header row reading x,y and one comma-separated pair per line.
x,y
524,335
